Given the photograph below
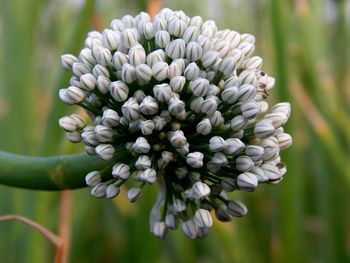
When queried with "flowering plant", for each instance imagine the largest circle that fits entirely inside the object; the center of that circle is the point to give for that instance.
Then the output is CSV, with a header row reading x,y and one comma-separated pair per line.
x,y
178,103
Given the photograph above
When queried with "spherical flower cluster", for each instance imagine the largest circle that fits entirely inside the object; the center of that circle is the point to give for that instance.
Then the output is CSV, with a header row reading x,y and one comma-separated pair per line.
x,y
178,103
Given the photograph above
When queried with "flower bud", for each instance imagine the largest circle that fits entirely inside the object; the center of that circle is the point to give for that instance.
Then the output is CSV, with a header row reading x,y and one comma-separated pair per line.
x,y
134,193
93,178
128,38
87,58
110,118
159,229
238,123
119,90
244,163
149,106
246,92
162,92
222,214
68,123
162,38
100,70
88,82
105,151
237,208
191,34
209,59
190,229
263,129
104,57
79,69
217,144
144,72
74,137
194,51
177,83
199,87
222,47
128,73
148,30
272,172
195,159
283,107
67,61
143,162
192,71
196,21
246,48
277,119
160,70
176,49
204,127
259,174
219,159
99,190
176,27
253,63
209,106
200,190
176,106
141,145
110,39
229,184
284,140
196,104
230,94
247,181
178,206
156,56
171,221
271,148
148,176
117,25
103,133
254,152
103,84
147,127
248,77
250,109
119,59
112,191
202,218
74,94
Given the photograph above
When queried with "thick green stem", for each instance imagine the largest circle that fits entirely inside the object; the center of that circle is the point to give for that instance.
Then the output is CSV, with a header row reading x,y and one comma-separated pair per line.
x,y
47,173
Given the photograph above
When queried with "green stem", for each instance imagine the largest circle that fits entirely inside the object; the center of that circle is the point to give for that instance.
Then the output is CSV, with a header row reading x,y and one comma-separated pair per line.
x,y
47,173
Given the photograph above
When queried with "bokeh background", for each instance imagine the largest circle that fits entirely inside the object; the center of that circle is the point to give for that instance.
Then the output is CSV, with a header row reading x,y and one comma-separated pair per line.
x,y
306,218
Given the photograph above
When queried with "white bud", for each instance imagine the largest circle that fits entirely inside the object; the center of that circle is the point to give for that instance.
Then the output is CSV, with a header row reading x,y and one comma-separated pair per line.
x,y
247,181
141,145
112,191
162,92
176,49
68,123
105,151
128,38
196,104
246,92
143,162
205,43
178,139
283,107
80,69
119,90
103,133
217,144
247,38
284,140
222,47
134,193
117,25
159,229
160,70
209,59
177,83
263,129
209,106
195,159
119,59
137,55
199,87
67,61
130,110
89,138
144,72
227,65
128,73
99,190
253,63
244,163
176,27
230,94
272,172
238,123
93,178
191,34
259,174
250,109
100,70
149,106
202,218
246,48
155,56
277,119
271,148
162,38
219,159
248,77
104,57
110,118
255,152
102,84
159,123
110,39
147,127
148,30
192,71
200,190
176,106
190,229
204,127
171,221
75,81
234,146
88,82
74,137
74,94
237,208
194,51
149,176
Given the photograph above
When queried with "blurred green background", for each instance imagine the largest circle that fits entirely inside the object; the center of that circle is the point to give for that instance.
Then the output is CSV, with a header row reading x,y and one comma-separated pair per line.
x,y
305,45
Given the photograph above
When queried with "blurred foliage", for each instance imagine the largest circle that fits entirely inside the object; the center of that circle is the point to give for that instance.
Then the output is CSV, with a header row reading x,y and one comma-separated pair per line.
x,y
305,45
